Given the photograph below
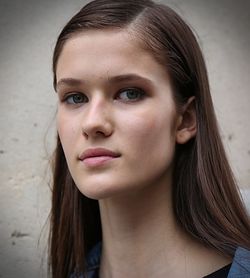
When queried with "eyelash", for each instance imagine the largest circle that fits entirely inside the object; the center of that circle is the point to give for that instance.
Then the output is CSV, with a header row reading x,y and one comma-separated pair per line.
x,y
140,94
71,96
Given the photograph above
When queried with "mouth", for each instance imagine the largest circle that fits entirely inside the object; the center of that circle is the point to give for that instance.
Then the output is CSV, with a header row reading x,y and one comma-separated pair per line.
x,y
97,156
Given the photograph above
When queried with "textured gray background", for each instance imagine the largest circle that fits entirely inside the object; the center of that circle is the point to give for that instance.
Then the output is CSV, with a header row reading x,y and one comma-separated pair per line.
x,y
28,31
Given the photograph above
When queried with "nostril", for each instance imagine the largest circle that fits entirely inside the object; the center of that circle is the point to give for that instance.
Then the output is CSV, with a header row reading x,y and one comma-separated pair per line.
x,y
85,134
104,130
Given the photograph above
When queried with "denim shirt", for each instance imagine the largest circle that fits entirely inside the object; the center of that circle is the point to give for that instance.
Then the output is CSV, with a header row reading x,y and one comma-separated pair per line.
x,y
240,266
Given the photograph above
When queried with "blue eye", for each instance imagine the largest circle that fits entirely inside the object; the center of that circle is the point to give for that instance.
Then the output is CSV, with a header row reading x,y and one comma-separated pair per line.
x,y
131,94
76,98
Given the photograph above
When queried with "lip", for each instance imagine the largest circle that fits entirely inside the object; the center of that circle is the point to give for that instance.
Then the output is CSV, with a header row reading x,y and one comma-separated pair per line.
x,y
97,156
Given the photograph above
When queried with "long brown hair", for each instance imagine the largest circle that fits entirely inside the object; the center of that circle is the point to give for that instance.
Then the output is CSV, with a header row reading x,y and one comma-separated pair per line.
x,y
206,200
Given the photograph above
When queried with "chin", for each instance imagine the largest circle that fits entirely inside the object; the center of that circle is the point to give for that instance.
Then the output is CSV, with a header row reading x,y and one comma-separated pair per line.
x,y
99,192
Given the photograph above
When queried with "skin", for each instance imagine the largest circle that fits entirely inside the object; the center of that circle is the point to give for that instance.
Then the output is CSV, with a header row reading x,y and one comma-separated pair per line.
x,y
134,190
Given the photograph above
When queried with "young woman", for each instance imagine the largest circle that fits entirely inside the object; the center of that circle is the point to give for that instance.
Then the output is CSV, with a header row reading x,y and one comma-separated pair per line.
x,y
142,186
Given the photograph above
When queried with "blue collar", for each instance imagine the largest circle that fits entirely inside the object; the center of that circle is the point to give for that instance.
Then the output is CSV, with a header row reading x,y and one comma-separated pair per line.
x,y
93,261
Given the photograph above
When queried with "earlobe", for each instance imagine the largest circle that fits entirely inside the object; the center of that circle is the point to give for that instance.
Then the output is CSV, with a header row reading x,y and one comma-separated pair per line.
x,y
186,128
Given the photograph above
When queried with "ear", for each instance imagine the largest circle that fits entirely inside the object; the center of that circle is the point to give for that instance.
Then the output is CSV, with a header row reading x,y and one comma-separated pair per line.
x,y
186,125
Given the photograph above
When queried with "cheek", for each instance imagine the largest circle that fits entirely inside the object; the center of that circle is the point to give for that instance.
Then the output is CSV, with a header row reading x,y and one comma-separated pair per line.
x,y
152,132
150,146
67,130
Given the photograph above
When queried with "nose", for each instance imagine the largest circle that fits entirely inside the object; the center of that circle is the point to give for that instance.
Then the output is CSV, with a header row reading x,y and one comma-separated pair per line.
x,y
97,121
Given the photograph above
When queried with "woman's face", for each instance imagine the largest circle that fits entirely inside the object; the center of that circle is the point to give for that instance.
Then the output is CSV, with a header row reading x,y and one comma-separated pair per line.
x,y
116,117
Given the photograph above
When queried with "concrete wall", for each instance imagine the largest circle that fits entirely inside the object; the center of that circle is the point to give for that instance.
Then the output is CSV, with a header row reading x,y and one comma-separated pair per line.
x,y
28,31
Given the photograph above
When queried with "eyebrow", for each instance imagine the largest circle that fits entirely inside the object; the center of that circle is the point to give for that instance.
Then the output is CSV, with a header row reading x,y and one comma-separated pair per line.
x,y
128,77
113,79
68,82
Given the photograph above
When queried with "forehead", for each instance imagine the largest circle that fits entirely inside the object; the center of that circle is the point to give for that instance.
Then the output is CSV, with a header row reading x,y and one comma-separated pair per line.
x,y
93,43
100,52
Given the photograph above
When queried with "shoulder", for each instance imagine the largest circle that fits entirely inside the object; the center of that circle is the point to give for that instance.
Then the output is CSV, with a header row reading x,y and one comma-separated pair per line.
x,y
241,264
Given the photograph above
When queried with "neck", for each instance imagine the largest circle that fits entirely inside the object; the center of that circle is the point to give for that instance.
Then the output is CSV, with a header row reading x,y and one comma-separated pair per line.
x,y
141,238
138,227
138,217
